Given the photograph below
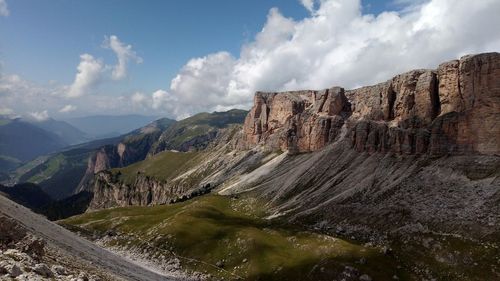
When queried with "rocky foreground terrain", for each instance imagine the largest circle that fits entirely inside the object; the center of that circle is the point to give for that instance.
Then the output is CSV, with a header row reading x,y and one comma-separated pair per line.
x,y
32,248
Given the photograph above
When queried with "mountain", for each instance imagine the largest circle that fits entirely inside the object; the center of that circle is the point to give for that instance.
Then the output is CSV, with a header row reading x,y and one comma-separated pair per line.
x,y
105,126
196,132
410,166
24,141
64,130
67,172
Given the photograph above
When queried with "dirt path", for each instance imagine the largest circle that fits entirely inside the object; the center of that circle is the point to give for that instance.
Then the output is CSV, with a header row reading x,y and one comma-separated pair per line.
x,y
74,245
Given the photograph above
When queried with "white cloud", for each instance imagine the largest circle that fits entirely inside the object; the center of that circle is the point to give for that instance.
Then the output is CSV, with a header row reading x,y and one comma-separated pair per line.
x,y
67,108
92,71
308,4
4,10
124,53
338,45
40,116
88,76
138,98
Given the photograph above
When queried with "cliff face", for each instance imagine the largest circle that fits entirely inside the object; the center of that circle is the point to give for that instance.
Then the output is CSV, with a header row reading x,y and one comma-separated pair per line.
x,y
296,121
454,109
132,148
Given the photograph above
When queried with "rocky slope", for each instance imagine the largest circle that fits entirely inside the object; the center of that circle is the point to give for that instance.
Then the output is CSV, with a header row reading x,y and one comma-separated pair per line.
x,y
32,248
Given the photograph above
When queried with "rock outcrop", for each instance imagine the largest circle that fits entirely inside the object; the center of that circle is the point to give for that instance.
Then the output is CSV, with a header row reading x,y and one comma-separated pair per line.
x,y
24,256
296,121
454,109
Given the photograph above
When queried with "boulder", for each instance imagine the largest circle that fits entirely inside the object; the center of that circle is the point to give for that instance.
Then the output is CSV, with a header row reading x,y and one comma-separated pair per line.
x,y
43,270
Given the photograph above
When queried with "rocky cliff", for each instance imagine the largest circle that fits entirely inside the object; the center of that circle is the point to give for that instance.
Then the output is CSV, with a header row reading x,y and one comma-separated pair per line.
x,y
453,109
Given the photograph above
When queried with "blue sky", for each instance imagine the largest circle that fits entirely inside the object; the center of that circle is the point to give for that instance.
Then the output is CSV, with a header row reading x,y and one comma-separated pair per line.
x,y
41,40
41,43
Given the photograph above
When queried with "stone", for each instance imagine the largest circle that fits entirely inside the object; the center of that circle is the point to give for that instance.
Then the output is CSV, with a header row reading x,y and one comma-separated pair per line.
x,y
33,246
59,270
220,264
14,270
365,277
43,270
82,277
94,278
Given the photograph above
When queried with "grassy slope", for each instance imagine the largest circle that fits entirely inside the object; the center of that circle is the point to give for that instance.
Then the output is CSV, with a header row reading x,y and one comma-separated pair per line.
x,y
212,228
161,166
60,173
199,125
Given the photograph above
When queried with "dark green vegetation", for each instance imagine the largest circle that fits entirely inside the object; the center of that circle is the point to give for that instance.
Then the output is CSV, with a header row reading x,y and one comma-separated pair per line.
x,y
7,164
27,194
60,174
161,166
228,237
448,257
67,207
33,197
196,132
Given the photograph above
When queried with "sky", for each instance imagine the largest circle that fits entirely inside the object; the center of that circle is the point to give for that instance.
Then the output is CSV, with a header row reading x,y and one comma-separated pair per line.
x,y
63,59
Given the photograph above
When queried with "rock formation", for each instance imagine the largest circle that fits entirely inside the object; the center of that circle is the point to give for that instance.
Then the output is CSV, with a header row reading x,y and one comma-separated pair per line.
x,y
454,109
296,121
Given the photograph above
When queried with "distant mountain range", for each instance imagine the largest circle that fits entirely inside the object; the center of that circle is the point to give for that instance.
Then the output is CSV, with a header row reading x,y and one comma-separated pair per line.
x,y
23,140
105,126
72,169
68,133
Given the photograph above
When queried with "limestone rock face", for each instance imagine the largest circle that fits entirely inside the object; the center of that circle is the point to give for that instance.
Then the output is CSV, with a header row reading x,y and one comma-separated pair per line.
x,y
454,109
296,121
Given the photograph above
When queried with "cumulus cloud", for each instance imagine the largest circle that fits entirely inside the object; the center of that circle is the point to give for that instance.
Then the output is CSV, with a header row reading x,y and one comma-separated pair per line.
x,y
4,10
25,97
308,4
67,108
138,98
88,76
124,53
338,45
92,71
40,116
